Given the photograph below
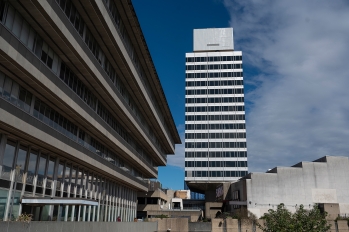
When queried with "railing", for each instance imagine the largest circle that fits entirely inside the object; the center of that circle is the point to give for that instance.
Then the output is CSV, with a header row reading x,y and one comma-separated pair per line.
x,y
343,216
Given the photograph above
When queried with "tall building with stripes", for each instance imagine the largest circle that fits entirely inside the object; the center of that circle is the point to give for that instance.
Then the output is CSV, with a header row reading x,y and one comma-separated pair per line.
x,y
84,122
215,132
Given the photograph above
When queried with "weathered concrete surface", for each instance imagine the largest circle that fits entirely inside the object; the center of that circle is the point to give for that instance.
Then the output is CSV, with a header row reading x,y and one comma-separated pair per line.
x,y
261,222
175,224
200,226
332,211
78,226
247,225
343,226
307,183
333,226
227,225
211,208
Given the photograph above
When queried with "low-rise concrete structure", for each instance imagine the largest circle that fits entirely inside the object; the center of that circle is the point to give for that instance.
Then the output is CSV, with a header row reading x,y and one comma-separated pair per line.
x,y
323,181
163,202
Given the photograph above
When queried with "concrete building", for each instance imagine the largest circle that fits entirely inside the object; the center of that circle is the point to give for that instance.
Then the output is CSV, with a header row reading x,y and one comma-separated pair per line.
x,y
159,202
84,121
323,181
215,133
154,200
183,194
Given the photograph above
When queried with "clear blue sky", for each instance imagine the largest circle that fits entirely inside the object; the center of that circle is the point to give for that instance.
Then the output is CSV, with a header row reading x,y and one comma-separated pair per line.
x,y
295,73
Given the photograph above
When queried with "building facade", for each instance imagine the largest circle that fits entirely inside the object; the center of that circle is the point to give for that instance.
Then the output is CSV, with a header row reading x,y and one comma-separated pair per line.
x,y
215,133
321,182
84,122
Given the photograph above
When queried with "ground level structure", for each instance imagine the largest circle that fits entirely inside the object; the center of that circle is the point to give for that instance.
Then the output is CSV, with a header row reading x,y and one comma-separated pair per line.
x,y
323,181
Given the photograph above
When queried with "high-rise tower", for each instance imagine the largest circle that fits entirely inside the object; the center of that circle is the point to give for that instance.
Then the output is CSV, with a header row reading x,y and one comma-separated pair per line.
x,y
215,133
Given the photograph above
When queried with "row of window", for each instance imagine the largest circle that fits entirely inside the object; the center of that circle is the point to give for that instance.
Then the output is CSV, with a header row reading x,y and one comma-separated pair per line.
x,y
215,83
214,91
213,58
35,163
213,74
212,154
76,20
214,100
17,95
213,67
148,200
43,169
200,164
214,108
215,173
215,145
229,117
215,135
14,93
230,126
20,28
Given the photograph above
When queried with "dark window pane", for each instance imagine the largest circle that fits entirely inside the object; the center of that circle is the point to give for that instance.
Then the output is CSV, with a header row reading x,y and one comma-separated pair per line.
x,y
31,167
8,157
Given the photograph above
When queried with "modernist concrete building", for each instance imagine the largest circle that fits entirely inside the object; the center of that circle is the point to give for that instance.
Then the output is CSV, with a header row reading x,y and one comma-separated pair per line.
x,y
323,181
215,133
158,201
83,117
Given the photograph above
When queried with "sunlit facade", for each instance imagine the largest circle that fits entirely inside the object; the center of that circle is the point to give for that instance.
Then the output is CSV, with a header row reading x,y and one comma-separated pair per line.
x,y
84,122
215,132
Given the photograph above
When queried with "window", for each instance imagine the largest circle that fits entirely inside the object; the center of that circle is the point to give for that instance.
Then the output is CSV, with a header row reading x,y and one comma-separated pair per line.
x,y
31,167
50,172
59,177
41,170
66,177
8,158
21,159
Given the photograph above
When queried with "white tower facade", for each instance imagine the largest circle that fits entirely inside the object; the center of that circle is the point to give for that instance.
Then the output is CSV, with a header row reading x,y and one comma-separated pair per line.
x,y
215,132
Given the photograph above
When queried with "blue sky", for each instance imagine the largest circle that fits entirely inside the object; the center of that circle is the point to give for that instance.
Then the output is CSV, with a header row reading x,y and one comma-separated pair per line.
x,y
295,56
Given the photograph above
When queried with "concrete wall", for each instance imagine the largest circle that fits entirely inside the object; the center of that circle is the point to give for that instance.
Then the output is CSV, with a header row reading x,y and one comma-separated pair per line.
x,y
232,225
192,215
200,226
307,183
78,226
228,225
175,224
211,208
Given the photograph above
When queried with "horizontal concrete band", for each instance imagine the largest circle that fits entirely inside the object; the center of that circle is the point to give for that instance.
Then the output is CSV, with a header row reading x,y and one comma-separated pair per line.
x,y
57,201
49,138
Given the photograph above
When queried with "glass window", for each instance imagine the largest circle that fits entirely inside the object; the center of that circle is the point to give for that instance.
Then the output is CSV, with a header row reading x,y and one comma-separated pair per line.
x,y
60,175
50,172
17,26
66,177
21,158
38,46
31,167
7,88
24,33
2,80
41,170
31,39
10,17
78,182
73,178
8,158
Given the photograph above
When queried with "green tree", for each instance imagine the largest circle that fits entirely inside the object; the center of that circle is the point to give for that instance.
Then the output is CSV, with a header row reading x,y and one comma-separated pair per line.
x,y
282,220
